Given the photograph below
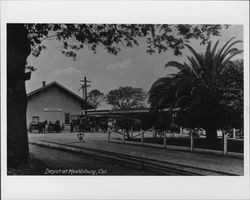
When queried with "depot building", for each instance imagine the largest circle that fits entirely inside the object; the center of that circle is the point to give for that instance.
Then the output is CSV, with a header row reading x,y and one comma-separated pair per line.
x,y
54,102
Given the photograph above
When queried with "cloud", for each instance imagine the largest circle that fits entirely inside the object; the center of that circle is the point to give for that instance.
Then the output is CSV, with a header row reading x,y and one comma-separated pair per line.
x,y
121,65
69,70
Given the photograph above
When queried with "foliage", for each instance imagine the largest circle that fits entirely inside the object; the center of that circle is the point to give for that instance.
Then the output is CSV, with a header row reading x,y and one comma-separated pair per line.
x,y
112,37
95,97
233,95
136,121
126,122
126,98
207,88
30,68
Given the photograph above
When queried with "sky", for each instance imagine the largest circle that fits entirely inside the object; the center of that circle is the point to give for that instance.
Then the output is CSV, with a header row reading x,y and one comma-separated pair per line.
x,y
131,67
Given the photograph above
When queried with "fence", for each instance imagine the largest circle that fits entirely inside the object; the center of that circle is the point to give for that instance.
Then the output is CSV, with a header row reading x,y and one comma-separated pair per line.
x,y
121,135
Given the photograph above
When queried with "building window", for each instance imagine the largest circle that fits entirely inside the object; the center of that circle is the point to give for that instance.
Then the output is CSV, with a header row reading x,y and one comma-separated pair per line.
x,y
35,118
67,118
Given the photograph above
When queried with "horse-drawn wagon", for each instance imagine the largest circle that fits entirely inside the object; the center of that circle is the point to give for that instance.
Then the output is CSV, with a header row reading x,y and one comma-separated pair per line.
x,y
54,126
80,123
37,125
42,127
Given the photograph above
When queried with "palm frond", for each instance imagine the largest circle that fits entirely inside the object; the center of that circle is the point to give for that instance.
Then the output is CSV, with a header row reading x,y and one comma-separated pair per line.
x,y
197,56
176,64
195,67
208,50
218,55
231,56
214,48
227,51
183,100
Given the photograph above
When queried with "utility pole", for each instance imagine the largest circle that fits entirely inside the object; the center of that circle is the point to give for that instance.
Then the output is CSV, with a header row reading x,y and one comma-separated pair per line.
x,y
85,94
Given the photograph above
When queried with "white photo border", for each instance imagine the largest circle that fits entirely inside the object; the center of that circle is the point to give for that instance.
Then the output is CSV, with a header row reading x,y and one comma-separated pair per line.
x,y
124,187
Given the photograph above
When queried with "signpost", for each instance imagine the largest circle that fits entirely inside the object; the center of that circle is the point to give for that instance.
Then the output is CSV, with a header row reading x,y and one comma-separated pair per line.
x,y
142,137
192,141
165,139
225,144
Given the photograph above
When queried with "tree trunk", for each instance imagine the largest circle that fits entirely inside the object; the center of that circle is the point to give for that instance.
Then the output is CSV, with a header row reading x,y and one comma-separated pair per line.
x,y
211,135
18,49
127,134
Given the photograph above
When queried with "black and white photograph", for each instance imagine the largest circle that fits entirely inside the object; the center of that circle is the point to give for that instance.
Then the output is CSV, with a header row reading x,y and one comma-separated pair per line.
x,y
149,105
152,100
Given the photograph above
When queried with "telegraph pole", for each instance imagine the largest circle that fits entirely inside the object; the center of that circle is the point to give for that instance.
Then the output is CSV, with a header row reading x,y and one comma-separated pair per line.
x,y
85,93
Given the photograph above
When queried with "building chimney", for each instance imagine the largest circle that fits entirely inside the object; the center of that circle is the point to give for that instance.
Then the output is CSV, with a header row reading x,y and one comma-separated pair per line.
x,y
44,83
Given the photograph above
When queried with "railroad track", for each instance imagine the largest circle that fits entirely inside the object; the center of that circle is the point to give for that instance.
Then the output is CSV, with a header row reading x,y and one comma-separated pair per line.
x,y
157,166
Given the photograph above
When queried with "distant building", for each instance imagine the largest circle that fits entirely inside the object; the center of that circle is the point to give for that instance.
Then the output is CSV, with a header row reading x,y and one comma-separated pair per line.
x,y
54,102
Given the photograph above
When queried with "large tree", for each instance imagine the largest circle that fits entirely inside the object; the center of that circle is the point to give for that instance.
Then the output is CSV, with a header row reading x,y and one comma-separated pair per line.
x,y
18,49
22,39
96,97
206,88
126,98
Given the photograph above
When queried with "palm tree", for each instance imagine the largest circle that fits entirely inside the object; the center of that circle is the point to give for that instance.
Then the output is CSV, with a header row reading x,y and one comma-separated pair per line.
x,y
197,87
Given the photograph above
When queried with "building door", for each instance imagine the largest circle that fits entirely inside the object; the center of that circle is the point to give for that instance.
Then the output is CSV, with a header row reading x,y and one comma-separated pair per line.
x,y
67,118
